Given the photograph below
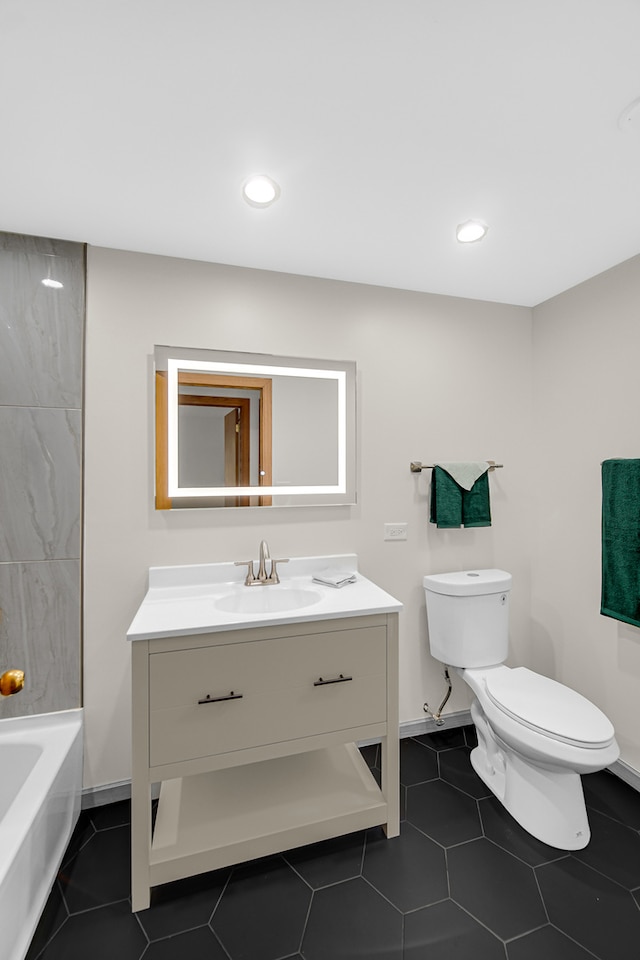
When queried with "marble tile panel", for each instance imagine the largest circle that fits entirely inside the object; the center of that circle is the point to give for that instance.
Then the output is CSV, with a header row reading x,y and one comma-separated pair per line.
x,y
41,327
40,634
40,458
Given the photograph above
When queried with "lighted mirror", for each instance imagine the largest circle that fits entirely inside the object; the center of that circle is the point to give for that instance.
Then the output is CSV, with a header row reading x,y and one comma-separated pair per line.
x,y
247,429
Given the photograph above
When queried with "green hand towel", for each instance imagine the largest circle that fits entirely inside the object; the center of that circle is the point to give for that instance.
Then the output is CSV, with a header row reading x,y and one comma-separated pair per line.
x,y
476,509
621,540
451,506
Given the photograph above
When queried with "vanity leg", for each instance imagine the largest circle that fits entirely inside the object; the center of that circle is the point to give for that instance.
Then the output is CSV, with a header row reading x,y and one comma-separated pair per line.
x,y
390,762
140,785
390,746
140,845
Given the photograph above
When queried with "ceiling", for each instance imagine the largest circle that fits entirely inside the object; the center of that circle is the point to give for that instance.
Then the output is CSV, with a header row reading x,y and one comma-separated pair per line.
x,y
133,124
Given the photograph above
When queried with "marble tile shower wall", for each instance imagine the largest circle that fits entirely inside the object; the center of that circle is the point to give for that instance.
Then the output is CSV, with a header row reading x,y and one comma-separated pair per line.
x,y
41,353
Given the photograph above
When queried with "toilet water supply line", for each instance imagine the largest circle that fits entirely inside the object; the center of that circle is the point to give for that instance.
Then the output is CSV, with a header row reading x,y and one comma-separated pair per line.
x,y
437,715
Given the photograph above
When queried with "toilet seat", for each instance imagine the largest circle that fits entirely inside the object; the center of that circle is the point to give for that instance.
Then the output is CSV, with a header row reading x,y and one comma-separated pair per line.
x,y
548,707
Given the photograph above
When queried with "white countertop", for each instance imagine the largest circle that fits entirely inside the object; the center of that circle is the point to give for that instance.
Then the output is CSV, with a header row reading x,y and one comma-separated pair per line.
x,y
185,600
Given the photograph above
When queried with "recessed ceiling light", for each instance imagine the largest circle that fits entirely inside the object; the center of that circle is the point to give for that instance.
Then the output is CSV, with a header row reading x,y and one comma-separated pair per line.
x,y
48,282
470,231
260,190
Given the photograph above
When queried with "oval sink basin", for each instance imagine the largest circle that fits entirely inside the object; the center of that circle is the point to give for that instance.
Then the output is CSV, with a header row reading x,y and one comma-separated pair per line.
x,y
270,599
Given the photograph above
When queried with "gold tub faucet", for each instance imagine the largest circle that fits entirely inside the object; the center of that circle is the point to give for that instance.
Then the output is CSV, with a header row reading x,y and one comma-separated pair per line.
x,y
11,681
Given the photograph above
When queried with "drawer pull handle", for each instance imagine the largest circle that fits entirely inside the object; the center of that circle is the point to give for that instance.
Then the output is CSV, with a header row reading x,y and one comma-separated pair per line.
x,y
230,696
322,683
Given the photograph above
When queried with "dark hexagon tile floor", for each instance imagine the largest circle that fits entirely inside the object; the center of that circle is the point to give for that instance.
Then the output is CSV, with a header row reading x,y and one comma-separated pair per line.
x,y
329,861
443,812
183,905
508,900
462,880
101,934
608,794
614,850
263,910
444,931
502,829
198,944
84,886
455,768
409,870
547,942
417,763
591,909
350,920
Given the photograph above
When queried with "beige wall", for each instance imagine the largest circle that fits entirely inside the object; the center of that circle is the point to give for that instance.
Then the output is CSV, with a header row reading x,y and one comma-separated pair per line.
x,y
438,377
587,409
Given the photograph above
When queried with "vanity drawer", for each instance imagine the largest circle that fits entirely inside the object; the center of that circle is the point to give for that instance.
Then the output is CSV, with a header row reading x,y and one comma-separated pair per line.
x,y
266,691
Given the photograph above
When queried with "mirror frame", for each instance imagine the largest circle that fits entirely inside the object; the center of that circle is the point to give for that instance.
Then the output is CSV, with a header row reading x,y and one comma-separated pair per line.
x,y
190,366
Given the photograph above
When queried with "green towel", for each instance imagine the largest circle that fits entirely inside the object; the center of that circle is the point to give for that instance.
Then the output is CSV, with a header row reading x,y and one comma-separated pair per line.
x,y
621,540
452,506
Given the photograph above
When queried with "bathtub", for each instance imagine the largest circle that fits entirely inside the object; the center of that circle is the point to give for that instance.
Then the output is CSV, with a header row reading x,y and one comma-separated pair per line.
x,y
40,791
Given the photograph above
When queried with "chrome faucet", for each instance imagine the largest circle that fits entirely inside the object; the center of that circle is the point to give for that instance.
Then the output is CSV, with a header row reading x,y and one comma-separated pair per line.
x,y
264,557
263,578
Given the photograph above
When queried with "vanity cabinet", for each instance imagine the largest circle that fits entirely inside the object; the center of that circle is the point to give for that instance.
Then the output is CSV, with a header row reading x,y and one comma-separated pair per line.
x,y
252,736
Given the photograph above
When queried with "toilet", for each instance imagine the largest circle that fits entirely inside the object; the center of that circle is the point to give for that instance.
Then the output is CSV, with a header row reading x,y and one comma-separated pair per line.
x,y
535,736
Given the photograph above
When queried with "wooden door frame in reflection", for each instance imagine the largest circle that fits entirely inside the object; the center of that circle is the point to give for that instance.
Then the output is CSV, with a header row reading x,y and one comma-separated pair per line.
x,y
265,451
241,439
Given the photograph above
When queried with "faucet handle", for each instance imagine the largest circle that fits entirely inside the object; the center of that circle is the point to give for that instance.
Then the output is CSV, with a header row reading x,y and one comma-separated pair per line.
x,y
273,576
250,577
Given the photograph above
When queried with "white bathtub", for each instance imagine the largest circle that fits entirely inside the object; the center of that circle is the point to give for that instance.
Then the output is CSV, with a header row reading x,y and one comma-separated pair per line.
x,y
40,791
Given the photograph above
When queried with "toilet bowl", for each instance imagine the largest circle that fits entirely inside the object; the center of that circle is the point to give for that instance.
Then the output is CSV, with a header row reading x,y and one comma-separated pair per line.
x,y
535,736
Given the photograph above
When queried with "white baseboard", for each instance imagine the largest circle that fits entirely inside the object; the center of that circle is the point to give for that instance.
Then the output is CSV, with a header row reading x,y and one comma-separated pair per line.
x,y
111,793
417,728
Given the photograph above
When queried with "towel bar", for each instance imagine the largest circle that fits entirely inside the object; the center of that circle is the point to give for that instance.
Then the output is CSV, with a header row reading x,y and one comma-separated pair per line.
x,y
417,466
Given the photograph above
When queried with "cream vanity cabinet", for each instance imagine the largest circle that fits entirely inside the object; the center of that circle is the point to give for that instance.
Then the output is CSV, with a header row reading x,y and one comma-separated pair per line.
x,y
252,735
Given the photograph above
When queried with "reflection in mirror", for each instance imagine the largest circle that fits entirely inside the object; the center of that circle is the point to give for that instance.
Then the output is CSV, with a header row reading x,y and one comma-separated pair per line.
x,y
240,429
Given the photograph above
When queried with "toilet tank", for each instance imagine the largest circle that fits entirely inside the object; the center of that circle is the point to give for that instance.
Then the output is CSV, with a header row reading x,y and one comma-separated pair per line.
x,y
468,617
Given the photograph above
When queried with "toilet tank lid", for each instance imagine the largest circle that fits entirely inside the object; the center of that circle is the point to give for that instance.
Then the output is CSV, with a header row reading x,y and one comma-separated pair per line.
x,y
468,583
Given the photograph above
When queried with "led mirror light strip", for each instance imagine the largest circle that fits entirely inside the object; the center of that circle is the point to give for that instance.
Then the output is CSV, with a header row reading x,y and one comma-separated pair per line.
x,y
242,369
